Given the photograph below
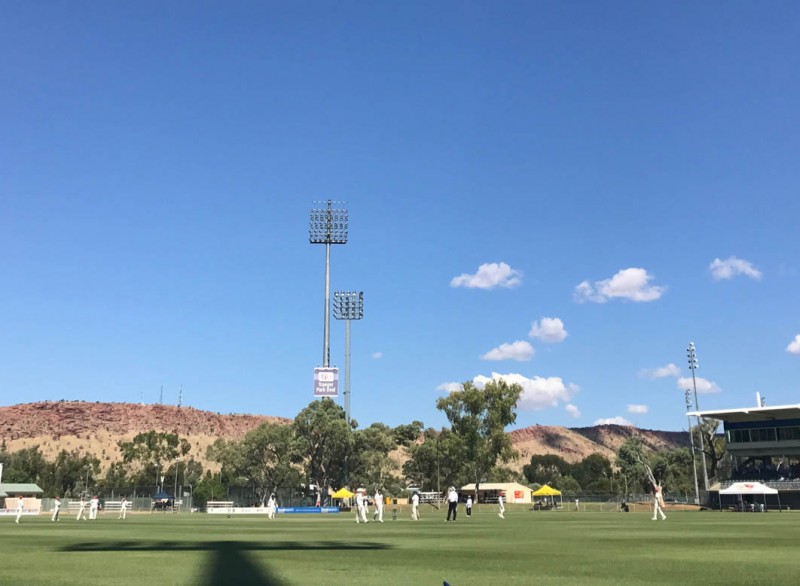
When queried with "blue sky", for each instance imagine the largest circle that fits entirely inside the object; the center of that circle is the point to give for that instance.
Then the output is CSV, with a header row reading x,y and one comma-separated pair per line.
x,y
561,193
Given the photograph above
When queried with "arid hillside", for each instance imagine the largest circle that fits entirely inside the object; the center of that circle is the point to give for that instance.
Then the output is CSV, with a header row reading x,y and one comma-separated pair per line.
x,y
574,444
97,427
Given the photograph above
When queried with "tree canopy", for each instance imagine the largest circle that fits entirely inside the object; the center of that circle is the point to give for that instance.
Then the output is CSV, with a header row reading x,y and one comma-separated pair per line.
x,y
479,417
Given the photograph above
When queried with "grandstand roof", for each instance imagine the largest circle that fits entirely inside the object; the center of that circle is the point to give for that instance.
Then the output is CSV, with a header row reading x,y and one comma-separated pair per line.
x,y
752,413
13,488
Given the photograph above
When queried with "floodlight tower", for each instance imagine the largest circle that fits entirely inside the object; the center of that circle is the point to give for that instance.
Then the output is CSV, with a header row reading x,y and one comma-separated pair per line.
x,y
347,305
688,396
328,226
693,365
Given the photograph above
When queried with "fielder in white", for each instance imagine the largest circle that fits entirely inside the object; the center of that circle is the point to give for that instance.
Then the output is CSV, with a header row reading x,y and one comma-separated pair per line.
x,y
500,506
415,507
20,508
56,509
93,506
378,516
123,508
658,503
81,510
361,509
272,504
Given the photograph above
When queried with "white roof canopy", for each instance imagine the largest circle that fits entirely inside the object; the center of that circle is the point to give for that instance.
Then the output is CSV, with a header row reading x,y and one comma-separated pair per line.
x,y
748,488
752,413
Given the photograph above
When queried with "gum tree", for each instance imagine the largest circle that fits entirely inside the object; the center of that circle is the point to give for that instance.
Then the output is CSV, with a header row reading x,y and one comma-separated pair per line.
x,y
479,417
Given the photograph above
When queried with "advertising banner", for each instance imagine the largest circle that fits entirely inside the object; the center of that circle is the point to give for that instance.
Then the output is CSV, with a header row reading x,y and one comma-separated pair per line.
x,y
326,382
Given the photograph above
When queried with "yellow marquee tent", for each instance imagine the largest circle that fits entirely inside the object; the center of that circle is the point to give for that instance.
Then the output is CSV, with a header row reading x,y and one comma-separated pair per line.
x,y
548,490
342,493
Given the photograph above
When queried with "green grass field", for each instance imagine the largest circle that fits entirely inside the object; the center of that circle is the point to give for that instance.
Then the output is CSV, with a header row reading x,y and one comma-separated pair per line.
x,y
526,548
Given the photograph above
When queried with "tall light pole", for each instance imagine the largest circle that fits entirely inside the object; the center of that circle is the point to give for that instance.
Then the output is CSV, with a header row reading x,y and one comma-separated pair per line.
x,y
328,226
347,305
693,365
688,396
175,489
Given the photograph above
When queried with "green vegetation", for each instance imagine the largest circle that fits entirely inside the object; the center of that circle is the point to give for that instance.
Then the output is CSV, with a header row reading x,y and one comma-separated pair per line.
x,y
321,450
565,547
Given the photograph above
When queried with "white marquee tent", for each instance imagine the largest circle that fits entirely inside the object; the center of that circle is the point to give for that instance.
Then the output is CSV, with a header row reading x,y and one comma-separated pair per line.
x,y
743,489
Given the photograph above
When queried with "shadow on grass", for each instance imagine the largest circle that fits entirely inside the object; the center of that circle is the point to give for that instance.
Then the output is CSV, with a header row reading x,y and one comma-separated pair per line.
x,y
229,561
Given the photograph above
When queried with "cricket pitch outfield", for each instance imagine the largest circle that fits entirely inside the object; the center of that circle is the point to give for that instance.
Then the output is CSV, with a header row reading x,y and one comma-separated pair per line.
x,y
527,547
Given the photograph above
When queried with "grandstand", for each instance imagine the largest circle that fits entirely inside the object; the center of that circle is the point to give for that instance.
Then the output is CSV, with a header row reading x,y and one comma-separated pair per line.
x,y
764,443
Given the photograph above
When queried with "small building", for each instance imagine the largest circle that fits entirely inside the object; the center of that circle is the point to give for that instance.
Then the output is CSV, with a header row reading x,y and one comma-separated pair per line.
x,y
489,491
31,495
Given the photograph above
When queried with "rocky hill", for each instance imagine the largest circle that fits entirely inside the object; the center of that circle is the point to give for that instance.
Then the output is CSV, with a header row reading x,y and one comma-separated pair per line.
x,y
574,444
97,427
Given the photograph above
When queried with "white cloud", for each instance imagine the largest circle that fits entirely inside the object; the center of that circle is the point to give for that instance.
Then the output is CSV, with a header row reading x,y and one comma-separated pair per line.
x,y
794,346
489,276
633,284
640,409
703,385
377,355
537,393
618,420
520,351
660,372
449,387
549,329
572,410
731,267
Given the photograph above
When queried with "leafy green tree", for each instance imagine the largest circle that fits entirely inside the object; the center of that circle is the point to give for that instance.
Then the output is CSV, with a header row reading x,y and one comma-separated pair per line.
x,y
479,418
324,443
210,487
262,459
116,476
407,434
503,474
70,471
152,451
545,468
28,465
370,464
674,468
436,462
567,485
590,470
631,459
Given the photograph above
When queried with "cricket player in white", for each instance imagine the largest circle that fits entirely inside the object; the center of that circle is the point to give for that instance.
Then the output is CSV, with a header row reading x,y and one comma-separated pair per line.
x,y
361,508
93,505
123,508
415,507
81,510
500,506
56,509
272,504
378,516
20,508
658,503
